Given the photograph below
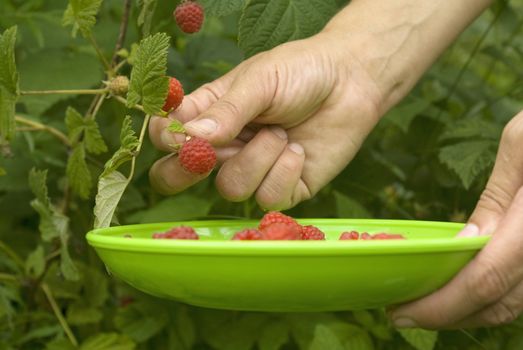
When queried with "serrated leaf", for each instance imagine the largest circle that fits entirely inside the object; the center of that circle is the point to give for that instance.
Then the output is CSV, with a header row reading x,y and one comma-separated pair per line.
x,y
149,84
81,14
141,320
110,190
176,126
324,338
78,173
8,83
76,125
420,339
221,8
265,24
108,341
128,144
347,207
146,15
35,262
468,159
473,128
404,114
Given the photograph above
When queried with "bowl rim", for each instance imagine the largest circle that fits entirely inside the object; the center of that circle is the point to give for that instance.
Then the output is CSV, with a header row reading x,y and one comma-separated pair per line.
x,y
104,238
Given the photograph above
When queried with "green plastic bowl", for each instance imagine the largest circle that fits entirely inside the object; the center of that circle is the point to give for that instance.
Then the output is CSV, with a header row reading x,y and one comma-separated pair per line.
x,y
276,276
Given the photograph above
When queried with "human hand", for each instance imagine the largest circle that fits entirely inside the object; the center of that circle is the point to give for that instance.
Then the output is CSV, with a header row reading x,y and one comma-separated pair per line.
x,y
489,290
284,122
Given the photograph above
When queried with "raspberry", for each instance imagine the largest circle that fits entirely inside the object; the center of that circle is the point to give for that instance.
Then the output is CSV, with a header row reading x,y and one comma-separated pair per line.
x,y
282,231
197,156
387,236
249,234
274,217
174,97
189,16
352,235
119,85
312,233
180,232
365,236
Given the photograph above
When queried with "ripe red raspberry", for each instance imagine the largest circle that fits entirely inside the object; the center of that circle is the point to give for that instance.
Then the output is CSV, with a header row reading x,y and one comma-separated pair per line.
x,y
352,235
174,96
274,217
180,232
365,236
282,231
197,156
249,234
312,233
189,16
383,235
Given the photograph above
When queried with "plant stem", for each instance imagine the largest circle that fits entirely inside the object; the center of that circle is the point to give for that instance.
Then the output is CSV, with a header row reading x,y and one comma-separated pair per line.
x,y
11,253
7,277
137,152
65,92
59,315
124,102
99,52
121,36
39,126
97,106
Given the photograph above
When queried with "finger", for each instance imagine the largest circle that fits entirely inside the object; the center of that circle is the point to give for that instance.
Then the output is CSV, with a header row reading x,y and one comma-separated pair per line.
x,y
162,138
506,178
241,175
278,189
484,281
248,96
504,311
168,177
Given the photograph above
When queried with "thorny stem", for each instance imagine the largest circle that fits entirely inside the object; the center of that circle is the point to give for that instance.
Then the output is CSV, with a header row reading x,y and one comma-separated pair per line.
x,y
65,92
39,126
99,52
59,315
123,30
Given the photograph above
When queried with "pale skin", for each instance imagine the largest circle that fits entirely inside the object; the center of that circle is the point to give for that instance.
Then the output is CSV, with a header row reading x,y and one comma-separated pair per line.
x,y
287,121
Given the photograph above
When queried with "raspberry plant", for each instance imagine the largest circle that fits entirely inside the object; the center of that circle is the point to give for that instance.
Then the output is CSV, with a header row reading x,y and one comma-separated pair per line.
x,y
79,80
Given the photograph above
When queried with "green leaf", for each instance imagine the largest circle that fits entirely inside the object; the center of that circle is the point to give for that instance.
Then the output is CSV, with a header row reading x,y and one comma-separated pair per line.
x,y
110,190
76,125
141,320
324,338
146,15
108,341
473,128
8,83
265,24
35,263
81,14
60,344
79,314
180,207
221,8
420,339
2,171
347,207
468,159
67,266
176,126
405,113
78,173
274,335
149,84
128,144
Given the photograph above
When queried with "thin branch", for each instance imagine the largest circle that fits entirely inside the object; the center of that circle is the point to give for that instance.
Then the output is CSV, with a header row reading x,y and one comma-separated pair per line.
x,y
39,126
138,149
99,52
6,277
59,315
124,102
123,30
96,107
65,92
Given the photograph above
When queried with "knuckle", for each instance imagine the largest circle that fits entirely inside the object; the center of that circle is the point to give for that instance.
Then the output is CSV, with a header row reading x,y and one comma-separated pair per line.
x,y
500,314
488,285
495,199
269,197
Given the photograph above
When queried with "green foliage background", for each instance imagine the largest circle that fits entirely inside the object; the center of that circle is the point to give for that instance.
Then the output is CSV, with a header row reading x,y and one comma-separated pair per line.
x,y
428,160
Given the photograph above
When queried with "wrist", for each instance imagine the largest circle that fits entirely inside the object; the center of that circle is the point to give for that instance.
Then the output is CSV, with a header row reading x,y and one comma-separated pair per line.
x,y
396,42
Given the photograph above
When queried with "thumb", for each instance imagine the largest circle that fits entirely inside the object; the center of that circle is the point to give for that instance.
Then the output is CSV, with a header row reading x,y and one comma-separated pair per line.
x,y
249,95
503,184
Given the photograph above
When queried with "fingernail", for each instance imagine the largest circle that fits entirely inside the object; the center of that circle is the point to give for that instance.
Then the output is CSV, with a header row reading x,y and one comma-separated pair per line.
x,y
404,322
296,148
470,230
202,126
169,138
278,132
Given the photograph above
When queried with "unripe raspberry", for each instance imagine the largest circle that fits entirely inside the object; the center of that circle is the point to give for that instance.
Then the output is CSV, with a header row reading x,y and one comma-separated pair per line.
x,y
119,85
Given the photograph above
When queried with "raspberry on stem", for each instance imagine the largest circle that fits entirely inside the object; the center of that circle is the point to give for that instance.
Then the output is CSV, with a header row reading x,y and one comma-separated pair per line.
x,y
174,96
189,16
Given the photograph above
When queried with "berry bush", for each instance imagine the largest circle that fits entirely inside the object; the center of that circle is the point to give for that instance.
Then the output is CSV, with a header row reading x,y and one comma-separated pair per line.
x,y
79,80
